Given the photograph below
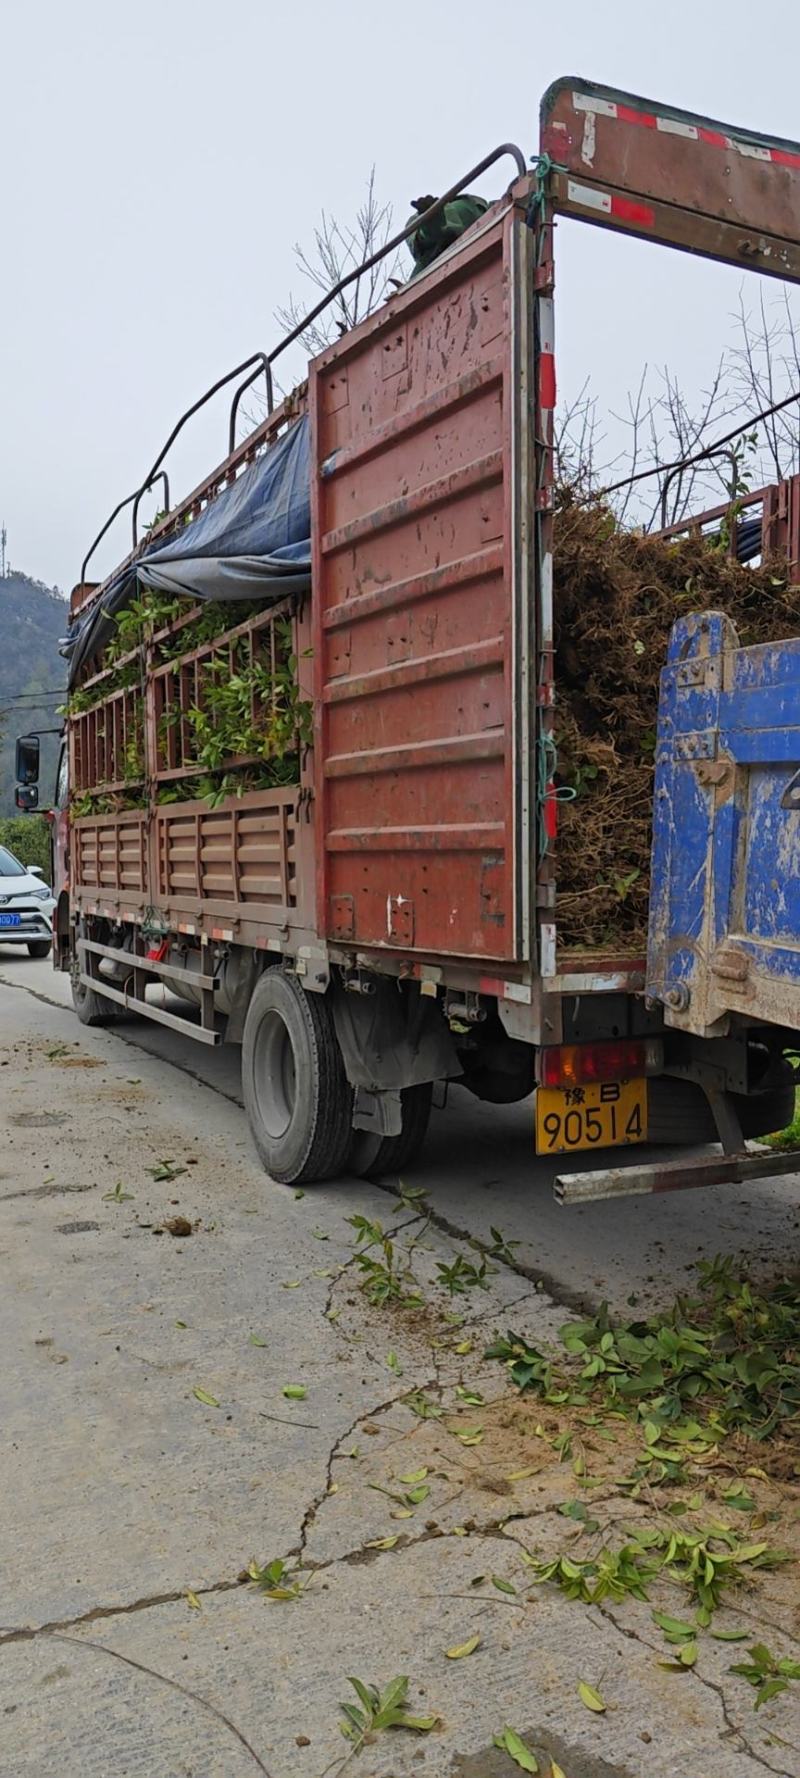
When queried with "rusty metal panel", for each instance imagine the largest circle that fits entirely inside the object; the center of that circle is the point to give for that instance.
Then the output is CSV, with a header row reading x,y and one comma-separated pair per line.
x,y
109,853
781,523
415,426
645,168
241,853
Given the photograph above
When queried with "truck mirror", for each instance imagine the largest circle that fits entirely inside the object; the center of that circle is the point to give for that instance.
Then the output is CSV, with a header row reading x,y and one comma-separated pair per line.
x,y
27,760
26,797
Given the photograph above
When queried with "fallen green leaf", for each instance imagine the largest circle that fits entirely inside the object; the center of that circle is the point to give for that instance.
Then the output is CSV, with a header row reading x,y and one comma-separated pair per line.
x,y
165,1170
193,1602
503,1586
463,1648
294,1391
203,1395
414,1475
675,1630
382,1543
590,1698
256,1340
517,1749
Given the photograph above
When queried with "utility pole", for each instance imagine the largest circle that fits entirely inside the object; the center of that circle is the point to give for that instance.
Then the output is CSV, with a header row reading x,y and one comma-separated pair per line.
x,y
3,553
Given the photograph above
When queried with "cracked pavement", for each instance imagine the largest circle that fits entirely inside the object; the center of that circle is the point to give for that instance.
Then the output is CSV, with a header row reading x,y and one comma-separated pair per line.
x,y
124,1492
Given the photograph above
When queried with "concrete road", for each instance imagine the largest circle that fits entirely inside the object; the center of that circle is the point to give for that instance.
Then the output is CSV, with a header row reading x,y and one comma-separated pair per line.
x,y
479,1169
133,1503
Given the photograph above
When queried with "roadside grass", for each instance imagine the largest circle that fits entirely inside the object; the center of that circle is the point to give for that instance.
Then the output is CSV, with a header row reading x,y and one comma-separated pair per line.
x,y
790,1137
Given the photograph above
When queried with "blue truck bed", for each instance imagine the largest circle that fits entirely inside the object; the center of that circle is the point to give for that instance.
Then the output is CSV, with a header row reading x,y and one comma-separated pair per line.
x,y
724,935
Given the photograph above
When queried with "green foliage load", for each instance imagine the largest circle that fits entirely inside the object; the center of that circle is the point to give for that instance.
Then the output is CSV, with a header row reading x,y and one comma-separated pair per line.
x,y
247,726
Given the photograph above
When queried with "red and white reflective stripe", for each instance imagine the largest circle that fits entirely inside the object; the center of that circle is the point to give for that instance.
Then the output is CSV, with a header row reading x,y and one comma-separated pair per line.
x,y
547,362
675,126
625,209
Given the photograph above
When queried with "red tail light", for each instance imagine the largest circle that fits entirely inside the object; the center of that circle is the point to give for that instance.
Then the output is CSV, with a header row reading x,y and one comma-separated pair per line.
x,y
578,1064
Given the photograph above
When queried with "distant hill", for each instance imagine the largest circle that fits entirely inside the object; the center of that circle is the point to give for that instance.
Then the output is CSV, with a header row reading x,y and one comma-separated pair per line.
x,y
32,619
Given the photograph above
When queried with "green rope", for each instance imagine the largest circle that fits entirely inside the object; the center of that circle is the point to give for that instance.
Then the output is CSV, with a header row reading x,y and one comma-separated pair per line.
x,y
545,165
546,790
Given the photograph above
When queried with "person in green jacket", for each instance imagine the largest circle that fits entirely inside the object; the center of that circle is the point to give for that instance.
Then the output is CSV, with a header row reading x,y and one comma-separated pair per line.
x,y
434,237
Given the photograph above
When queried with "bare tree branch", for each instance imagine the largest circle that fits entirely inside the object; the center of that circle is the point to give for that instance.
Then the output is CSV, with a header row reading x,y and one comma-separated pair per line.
x,y
662,425
338,248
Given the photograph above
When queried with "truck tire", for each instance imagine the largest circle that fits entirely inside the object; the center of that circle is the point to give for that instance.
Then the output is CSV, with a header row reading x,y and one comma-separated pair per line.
x,y
373,1156
296,1093
678,1110
39,947
91,1008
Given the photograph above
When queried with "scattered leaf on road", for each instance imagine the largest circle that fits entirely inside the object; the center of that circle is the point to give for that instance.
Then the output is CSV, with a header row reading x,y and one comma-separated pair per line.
x,y
382,1543
203,1395
414,1475
674,1629
193,1602
463,1648
471,1435
555,1771
503,1586
517,1749
118,1196
165,1170
295,1391
256,1340
181,1324
591,1698
291,1284
393,1363
463,1347
421,1404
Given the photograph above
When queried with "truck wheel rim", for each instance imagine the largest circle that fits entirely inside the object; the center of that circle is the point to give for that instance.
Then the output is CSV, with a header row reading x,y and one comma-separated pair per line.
x,y
276,1074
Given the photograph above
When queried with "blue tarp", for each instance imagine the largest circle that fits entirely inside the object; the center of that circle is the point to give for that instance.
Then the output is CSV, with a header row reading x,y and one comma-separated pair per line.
x,y
265,512
251,542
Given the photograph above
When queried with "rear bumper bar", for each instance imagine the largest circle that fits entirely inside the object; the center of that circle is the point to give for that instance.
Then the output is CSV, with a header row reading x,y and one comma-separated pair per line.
x,y
755,1162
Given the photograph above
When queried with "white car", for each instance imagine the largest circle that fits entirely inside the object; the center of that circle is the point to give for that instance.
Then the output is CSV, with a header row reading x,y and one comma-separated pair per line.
x,y
26,906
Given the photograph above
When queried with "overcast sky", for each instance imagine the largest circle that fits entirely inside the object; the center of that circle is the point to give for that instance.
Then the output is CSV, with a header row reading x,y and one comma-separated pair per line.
x,y
159,161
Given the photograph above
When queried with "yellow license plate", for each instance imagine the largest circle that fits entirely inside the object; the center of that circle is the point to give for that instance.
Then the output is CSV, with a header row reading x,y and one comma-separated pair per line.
x,y
605,1115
